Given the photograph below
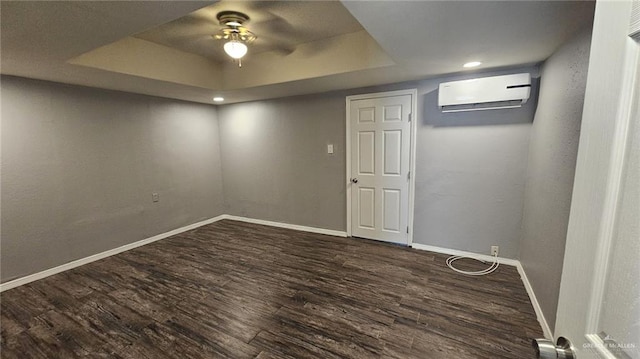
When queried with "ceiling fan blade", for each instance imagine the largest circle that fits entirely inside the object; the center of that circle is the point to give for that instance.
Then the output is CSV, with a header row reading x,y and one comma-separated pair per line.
x,y
284,50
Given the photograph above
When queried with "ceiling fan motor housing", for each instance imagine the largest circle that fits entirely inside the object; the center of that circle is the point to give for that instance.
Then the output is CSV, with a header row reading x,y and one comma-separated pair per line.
x,y
232,18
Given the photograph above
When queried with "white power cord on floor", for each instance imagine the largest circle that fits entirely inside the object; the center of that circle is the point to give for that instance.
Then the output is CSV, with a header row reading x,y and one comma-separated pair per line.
x,y
492,268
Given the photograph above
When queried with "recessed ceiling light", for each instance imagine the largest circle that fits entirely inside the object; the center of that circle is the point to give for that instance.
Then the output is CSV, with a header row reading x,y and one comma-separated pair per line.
x,y
472,64
218,99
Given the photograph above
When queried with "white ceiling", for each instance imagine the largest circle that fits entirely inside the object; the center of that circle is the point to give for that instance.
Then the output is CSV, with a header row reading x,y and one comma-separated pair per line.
x,y
165,48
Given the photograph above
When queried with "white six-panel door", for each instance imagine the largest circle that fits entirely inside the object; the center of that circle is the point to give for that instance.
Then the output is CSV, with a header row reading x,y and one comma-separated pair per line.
x,y
380,138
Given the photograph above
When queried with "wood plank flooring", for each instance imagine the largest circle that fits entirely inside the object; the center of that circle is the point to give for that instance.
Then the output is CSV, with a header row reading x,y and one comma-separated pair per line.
x,y
239,290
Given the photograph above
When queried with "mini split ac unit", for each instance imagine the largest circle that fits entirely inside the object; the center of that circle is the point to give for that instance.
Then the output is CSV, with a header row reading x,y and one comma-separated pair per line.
x,y
485,93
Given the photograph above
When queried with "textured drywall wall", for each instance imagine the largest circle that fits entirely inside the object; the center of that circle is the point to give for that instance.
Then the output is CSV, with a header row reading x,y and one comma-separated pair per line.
x,y
79,166
552,161
470,173
470,166
275,161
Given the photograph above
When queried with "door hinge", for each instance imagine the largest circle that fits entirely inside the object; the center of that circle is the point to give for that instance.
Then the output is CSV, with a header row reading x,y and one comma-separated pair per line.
x,y
407,229
409,175
410,117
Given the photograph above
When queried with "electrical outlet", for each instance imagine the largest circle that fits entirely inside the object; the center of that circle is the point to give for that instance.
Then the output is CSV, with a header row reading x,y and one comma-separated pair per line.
x,y
155,197
495,250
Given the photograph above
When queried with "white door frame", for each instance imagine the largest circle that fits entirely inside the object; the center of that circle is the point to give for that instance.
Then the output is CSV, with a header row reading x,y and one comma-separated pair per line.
x,y
412,152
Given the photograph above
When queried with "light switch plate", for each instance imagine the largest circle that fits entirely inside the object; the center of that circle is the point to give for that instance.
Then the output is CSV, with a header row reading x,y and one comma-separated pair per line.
x,y
330,148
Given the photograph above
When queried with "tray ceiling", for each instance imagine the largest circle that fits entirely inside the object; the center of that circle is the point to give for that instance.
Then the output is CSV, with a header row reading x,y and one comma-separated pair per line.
x,y
165,48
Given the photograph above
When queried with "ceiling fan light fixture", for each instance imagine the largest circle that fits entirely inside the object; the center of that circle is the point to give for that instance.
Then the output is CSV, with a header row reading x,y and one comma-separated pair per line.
x,y
236,37
235,49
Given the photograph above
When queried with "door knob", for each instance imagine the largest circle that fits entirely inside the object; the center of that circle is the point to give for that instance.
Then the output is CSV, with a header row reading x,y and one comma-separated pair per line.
x,y
546,350
354,180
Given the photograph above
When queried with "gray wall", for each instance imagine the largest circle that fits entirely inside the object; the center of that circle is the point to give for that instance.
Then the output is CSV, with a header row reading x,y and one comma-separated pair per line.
x,y
470,166
470,173
275,163
79,166
552,160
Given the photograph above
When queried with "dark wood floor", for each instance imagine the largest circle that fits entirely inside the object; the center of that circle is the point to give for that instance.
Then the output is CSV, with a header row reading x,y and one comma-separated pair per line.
x,y
238,290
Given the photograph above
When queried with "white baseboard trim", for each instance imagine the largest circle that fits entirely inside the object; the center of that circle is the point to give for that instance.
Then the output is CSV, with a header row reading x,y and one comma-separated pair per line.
x,y
534,301
506,261
296,227
92,258
455,252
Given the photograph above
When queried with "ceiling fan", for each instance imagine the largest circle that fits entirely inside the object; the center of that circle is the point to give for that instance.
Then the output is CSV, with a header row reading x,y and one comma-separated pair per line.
x,y
235,35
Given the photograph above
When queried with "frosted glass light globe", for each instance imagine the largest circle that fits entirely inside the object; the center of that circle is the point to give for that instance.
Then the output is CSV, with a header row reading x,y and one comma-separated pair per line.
x,y
235,49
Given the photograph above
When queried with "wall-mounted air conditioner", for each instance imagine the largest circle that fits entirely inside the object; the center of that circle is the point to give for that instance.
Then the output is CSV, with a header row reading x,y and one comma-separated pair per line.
x,y
485,93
